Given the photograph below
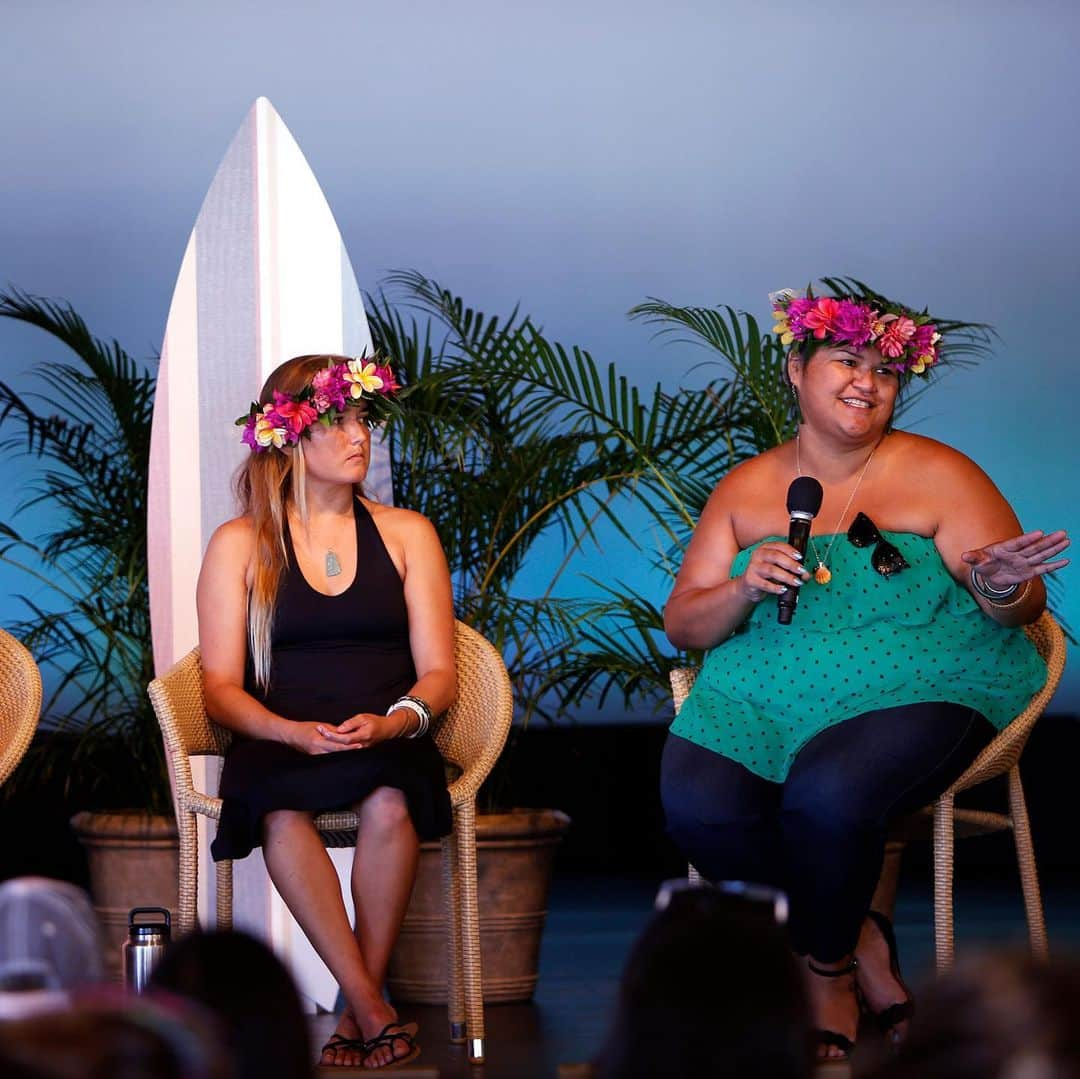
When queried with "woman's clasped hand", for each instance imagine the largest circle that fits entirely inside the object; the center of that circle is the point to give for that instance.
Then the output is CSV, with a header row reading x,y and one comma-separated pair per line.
x,y
357,732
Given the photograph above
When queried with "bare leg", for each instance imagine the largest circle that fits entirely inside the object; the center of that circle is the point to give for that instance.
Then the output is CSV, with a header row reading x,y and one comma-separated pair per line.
x,y
305,877
877,980
383,872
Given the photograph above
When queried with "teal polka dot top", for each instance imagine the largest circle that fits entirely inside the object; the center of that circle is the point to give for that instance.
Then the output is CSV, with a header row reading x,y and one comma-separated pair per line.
x,y
859,643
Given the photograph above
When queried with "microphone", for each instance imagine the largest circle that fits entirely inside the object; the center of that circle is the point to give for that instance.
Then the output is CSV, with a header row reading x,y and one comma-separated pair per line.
x,y
803,502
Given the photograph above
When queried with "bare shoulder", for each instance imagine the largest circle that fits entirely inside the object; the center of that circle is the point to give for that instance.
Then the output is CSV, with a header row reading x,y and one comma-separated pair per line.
x,y
229,558
397,521
234,538
409,537
748,476
935,462
749,500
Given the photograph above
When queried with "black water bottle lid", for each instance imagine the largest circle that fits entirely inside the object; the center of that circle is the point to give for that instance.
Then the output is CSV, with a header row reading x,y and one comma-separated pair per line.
x,y
148,929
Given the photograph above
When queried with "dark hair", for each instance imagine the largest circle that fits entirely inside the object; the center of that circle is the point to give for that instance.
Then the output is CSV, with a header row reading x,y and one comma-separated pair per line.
x,y
710,989
113,1038
999,1015
240,981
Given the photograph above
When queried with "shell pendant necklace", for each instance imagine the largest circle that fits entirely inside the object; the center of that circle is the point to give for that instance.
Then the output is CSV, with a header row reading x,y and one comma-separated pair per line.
x,y
822,573
331,561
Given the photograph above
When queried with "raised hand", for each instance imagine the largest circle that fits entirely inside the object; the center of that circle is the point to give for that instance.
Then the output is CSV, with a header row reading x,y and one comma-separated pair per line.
x,y
1017,560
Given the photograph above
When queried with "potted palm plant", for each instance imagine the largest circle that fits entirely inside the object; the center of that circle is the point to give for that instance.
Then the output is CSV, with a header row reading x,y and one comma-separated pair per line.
x,y
508,439
87,617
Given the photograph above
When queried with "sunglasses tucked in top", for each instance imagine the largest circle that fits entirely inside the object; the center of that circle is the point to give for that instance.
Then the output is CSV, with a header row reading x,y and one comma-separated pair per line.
x,y
886,558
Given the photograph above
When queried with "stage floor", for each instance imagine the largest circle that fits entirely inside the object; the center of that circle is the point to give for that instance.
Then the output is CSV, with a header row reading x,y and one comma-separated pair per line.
x,y
592,923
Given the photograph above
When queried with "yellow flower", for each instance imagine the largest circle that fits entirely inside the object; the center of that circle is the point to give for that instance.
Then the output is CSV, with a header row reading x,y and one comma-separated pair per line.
x,y
783,327
362,378
266,434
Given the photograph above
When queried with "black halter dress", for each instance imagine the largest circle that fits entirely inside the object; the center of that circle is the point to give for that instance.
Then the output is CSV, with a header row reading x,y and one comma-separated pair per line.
x,y
332,657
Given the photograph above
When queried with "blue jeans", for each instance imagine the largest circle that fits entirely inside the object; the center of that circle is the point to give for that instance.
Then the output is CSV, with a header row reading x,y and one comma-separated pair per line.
x,y
819,835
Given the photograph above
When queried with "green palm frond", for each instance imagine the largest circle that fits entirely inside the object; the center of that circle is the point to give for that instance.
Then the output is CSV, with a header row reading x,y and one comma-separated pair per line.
x,y
91,624
763,402
619,645
509,437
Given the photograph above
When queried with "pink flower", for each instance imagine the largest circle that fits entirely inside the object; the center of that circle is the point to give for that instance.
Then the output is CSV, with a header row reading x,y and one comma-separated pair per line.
x,y
321,401
821,319
854,324
295,416
897,334
389,383
330,382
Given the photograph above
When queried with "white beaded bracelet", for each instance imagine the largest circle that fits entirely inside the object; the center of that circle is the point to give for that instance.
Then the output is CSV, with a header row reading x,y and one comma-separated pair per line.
x,y
419,709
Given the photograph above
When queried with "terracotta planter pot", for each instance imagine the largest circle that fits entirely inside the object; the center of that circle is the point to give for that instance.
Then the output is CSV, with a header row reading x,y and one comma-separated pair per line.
x,y
514,854
134,862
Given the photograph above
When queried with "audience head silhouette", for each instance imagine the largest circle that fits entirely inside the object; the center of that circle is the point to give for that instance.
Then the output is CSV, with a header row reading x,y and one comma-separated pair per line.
x,y
1002,1016
247,989
710,989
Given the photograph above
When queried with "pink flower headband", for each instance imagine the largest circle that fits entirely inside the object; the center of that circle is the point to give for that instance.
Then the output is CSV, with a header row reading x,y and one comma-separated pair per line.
x,y
908,341
362,381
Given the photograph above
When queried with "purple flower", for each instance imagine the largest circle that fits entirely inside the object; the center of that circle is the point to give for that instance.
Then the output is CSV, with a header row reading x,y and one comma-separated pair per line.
x,y
797,311
248,437
922,340
853,324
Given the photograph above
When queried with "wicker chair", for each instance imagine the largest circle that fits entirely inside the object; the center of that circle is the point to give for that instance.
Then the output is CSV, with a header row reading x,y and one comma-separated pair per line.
x,y
20,702
1001,756
470,737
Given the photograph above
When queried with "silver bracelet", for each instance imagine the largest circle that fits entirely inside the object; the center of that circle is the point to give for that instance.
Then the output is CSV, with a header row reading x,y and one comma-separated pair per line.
x,y
987,591
419,708
427,713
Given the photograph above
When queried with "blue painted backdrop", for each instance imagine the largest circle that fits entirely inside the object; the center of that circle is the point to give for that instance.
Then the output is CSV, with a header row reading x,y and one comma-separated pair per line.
x,y
579,156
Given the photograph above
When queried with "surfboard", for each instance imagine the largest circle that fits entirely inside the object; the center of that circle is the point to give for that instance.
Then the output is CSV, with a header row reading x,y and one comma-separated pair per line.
x,y
265,276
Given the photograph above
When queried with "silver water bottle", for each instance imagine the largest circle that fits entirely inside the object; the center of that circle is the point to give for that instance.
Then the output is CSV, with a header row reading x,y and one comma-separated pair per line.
x,y
145,945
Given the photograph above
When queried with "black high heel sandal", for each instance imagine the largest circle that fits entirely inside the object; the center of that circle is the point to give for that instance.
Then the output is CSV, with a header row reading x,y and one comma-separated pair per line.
x,y
825,1038
888,1019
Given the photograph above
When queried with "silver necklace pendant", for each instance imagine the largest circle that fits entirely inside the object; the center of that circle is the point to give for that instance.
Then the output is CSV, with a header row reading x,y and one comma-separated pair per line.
x,y
333,566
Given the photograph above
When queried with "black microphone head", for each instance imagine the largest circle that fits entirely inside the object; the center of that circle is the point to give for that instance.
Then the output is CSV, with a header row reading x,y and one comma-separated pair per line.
x,y
804,496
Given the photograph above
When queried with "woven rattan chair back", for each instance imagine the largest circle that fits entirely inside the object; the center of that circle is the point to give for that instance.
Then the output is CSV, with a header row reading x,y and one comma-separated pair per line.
x,y
473,732
1004,751
20,702
177,697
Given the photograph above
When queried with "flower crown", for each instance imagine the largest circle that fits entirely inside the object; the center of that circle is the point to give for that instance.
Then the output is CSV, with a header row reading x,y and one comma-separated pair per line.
x,y
908,340
364,380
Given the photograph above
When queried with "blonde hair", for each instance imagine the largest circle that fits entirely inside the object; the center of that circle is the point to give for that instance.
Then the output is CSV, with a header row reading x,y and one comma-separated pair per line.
x,y
266,485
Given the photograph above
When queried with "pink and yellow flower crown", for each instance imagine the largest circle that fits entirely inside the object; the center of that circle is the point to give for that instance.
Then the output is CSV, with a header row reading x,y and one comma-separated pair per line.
x,y
366,380
907,340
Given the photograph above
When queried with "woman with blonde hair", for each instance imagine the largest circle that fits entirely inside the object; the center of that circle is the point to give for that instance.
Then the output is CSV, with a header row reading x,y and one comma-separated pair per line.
x,y
326,629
